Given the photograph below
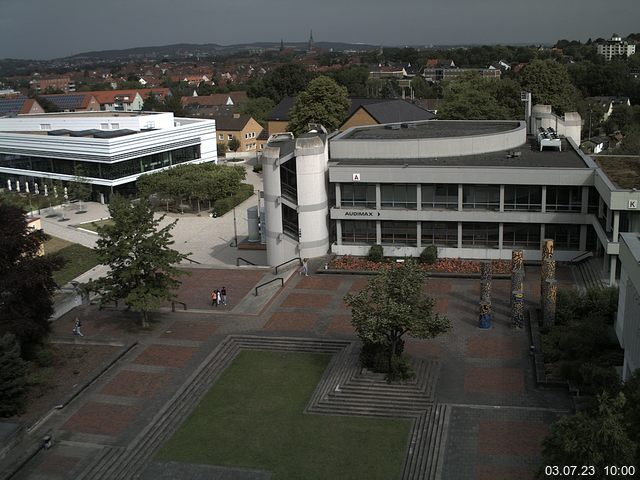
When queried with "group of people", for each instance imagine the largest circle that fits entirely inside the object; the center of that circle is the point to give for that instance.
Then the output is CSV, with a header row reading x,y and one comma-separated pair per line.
x,y
219,296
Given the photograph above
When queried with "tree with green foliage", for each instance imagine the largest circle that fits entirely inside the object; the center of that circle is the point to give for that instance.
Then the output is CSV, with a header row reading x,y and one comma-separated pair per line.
x,y
233,144
421,89
13,381
142,266
550,84
221,148
284,81
80,187
324,102
391,305
26,280
472,97
596,438
258,108
354,79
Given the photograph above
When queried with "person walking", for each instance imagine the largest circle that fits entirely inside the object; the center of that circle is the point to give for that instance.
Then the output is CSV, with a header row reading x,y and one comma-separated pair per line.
x,y
218,297
214,299
76,328
223,294
305,267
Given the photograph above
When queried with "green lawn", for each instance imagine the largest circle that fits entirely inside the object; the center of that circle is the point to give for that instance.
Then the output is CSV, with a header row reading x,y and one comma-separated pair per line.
x,y
79,259
253,418
93,226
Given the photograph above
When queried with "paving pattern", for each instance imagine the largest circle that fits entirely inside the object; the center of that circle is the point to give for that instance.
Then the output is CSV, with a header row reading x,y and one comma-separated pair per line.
x,y
476,409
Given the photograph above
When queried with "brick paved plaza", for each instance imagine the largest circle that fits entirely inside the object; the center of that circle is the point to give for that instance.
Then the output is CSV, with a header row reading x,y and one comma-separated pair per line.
x,y
497,416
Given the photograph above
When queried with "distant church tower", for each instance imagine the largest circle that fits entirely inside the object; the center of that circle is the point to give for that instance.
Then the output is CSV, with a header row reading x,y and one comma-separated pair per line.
x,y
311,46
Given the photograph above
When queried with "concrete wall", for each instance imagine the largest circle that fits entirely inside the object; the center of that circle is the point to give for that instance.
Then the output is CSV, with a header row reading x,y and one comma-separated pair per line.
x,y
627,324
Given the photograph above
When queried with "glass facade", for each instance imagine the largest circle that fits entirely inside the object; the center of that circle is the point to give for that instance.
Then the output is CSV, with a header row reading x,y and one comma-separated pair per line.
x,y
523,198
102,170
481,197
564,199
483,235
358,195
289,180
440,197
565,237
399,233
290,222
442,234
356,232
401,195
521,235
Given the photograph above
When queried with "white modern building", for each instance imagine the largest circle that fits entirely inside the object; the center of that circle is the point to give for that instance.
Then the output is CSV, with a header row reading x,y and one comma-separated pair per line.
x,y
616,47
628,320
475,189
111,149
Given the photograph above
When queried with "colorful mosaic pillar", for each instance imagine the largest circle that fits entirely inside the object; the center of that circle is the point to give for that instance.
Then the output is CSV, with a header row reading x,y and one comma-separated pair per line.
x,y
549,302
485,315
547,270
517,282
517,259
485,281
517,311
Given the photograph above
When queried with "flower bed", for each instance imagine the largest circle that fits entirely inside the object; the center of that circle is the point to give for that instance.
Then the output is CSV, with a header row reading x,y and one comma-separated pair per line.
x,y
443,265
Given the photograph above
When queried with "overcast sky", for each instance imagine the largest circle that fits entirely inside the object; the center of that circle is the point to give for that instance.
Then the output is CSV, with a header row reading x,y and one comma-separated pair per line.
x,y
41,29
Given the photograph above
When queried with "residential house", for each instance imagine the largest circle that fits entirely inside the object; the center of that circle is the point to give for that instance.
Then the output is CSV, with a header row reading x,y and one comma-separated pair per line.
x,y
19,105
616,47
243,127
608,104
74,102
64,84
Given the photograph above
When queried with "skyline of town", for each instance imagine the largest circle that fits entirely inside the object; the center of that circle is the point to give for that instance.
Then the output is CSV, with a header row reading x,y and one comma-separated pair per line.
x,y
69,27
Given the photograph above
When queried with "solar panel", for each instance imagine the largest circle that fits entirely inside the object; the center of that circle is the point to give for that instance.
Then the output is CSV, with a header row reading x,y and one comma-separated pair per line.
x,y
65,102
11,105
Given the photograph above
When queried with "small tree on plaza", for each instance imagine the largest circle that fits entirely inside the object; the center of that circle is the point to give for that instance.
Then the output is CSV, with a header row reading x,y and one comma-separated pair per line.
x,y
142,266
233,144
80,188
391,305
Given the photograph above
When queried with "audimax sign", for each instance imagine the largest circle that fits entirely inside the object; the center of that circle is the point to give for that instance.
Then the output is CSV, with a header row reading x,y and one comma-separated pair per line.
x,y
360,213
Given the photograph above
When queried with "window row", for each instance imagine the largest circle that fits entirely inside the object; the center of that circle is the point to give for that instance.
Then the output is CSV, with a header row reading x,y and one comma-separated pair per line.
x,y
109,171
474,234
474,197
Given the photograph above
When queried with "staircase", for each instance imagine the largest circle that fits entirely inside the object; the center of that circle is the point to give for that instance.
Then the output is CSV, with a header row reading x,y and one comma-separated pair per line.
x,y
589,271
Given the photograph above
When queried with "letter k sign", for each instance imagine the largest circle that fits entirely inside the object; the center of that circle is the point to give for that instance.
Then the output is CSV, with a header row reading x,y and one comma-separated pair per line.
x,y
633,203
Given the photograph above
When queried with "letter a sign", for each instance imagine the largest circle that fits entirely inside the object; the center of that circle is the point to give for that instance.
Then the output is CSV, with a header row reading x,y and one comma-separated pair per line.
x,y
355,177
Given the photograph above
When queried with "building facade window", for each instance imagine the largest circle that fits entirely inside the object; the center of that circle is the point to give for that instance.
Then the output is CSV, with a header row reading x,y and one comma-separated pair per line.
x,y
565,237
483,235
523,198
399,233
289,180
481,197
402,195
103,170
521,235
441,234
221,136
290,222
440,197
358,195
356,232
229,136
564,199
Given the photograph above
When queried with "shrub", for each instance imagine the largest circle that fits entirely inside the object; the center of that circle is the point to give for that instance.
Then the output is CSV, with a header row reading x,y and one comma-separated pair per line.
x,y
376,253
257,167
222,149
223,205
429,255
13,381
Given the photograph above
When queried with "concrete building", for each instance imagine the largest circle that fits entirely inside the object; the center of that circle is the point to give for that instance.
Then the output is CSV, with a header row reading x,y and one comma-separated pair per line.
x,y
616,47
475,189
112,149
628,320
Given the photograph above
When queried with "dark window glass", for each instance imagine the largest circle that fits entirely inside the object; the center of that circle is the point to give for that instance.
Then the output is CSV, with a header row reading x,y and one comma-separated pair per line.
x,y
440,197
399,233
565,237
480,235
358,195
442,234
564,199
358,232
523,198
290,222
523,235
398,195
289,180
481,197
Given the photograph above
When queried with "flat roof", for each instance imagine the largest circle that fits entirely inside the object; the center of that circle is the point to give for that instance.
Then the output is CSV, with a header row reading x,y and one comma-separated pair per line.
x,y
529,157
623,171
430,129
102,113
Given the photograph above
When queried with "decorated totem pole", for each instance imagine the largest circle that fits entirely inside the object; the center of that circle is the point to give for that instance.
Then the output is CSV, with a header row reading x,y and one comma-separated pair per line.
x,y
485,294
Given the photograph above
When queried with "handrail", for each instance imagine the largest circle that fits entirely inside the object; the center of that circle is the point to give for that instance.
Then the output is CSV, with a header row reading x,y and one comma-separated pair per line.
x,y
244,260
581,257
267,283
288,261
173,305
193,261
